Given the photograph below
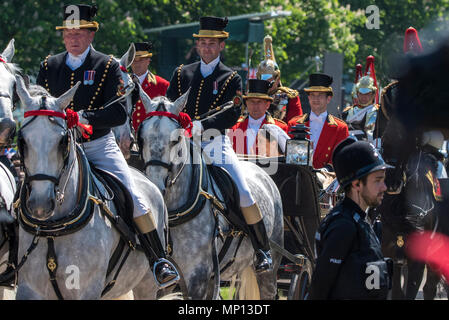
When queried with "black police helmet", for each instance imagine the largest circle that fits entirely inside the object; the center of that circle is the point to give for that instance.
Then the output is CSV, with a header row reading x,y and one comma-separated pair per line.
x,y
354,159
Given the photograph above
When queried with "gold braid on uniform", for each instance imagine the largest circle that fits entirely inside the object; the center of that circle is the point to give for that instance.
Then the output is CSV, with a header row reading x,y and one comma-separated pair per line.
x,y
223,90
291,93
179,79
111,57
46,69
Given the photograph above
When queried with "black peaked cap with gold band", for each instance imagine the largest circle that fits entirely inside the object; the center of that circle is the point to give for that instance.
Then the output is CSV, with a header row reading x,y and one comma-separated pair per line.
x,y
143,49
212,27
79,16
320,82
258,89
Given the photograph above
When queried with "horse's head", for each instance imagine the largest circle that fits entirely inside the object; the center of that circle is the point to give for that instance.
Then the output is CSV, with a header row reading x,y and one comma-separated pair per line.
x,y
7,94
124,133
398,144
162,143
44,144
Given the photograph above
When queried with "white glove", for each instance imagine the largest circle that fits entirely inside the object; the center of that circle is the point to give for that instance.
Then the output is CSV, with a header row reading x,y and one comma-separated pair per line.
x,y
82,120
197,129
278,134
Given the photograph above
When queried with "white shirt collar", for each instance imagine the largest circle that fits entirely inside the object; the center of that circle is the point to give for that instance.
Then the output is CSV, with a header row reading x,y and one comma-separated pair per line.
x,y
207,69
74,62
254,122
321,117
142,77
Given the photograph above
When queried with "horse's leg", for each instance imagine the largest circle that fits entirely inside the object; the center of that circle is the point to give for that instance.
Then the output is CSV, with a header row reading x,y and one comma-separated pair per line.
x,y
414,279
430,288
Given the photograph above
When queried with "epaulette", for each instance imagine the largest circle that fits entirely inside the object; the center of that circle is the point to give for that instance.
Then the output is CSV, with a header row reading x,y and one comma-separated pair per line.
x,y
333,120
269,119
279,120
242,119
302,118
291,93
348,108
151,78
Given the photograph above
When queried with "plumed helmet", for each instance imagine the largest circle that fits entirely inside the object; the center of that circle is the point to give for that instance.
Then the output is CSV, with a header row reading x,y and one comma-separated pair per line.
x,y
412,44
365,85
354,159
268,68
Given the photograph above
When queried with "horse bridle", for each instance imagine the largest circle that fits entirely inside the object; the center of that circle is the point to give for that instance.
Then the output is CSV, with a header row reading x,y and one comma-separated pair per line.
x,y
155,162
66,144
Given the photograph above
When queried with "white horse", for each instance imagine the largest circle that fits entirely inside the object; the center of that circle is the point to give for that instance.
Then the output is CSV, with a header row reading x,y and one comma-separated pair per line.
x,y
7,132
193,234
76,244
7,83
124,133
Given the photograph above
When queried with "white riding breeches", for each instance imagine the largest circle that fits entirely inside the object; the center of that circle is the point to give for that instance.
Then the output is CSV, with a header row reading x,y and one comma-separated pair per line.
x,y
105,154
220,152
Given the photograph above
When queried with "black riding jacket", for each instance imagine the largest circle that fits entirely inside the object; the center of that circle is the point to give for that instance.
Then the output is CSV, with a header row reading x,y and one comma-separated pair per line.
x,y
346,246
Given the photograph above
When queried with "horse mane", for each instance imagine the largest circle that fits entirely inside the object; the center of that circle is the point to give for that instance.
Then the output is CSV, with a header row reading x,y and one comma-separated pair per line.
x,y
36,90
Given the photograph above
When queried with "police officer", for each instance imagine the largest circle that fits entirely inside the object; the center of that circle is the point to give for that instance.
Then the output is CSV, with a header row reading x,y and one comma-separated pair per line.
x,y
100,77
211,85
349,261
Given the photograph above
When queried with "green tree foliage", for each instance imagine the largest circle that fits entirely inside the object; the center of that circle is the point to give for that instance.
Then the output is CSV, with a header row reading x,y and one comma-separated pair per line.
x,y
314,27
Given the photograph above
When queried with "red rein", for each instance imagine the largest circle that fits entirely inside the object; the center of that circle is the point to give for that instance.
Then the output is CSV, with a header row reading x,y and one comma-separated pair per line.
x,y
183,119
70,116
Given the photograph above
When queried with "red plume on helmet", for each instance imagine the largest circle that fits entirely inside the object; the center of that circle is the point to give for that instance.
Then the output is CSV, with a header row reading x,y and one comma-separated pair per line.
x,y
370,71
412,42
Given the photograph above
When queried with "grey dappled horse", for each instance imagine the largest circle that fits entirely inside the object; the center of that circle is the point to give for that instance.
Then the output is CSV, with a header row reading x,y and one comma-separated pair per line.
x,y
82,256
124,133
193,240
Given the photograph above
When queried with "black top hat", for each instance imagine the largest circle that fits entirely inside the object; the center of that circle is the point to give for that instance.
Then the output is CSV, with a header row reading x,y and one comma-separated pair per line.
x,y
212,27
258,89
143,49
79,16
320,82
354,159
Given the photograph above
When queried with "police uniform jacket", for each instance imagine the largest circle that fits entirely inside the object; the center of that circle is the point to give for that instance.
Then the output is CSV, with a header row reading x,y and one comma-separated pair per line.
x,y
346,247
207,94
55,76
334,131
154,86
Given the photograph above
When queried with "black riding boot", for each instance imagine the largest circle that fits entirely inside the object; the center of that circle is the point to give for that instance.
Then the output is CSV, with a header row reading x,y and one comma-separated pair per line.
x,y
259,239
164,271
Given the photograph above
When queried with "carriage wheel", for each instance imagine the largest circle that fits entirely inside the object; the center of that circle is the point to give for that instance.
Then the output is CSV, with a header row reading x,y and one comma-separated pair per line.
x,y
300,282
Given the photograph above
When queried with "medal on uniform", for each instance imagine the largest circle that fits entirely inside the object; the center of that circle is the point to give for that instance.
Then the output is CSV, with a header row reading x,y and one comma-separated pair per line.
x,y
215,88
89,76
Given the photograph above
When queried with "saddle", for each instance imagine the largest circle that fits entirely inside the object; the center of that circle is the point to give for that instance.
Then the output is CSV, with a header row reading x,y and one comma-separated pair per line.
x,y
122,199
231,197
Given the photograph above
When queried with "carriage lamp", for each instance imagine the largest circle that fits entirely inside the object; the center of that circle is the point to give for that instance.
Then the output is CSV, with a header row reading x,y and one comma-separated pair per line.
x,y
298,148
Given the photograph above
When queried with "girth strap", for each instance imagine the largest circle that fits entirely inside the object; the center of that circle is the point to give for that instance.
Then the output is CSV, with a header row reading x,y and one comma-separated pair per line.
x,y
52,266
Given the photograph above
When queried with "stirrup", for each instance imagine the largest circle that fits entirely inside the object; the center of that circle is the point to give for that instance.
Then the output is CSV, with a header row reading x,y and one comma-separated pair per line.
x,y
168,283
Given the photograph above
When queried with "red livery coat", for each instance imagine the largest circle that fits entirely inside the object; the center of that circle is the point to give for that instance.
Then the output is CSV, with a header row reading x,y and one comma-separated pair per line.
x,y
242,124
154,86
334,131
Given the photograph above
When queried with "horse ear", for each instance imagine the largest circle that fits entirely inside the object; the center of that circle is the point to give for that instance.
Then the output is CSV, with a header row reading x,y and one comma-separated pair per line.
x,y
180,103
8,54
63,101
22,92
128,58
146,100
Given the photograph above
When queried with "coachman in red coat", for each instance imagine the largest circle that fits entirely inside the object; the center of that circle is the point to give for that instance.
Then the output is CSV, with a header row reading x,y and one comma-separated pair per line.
x,y
153,85
327,131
